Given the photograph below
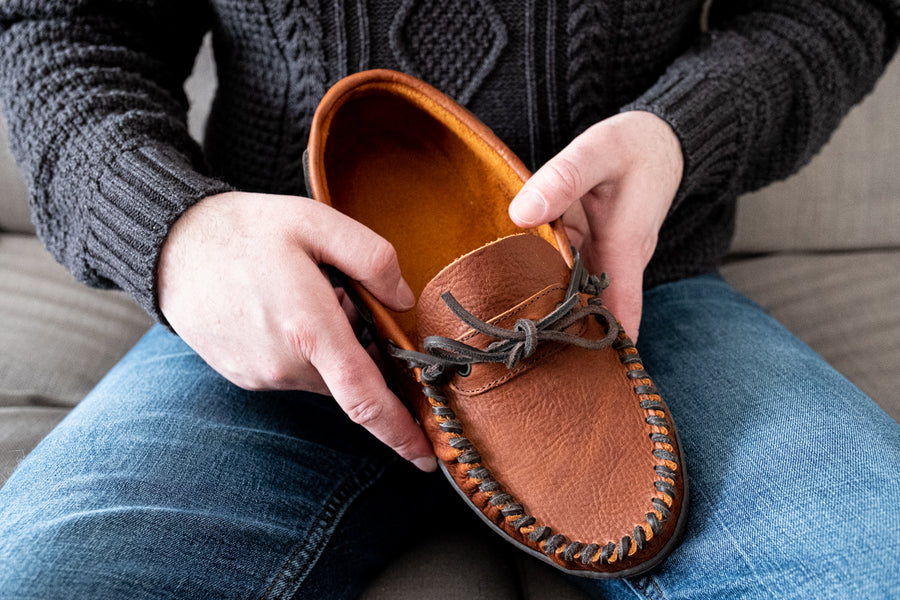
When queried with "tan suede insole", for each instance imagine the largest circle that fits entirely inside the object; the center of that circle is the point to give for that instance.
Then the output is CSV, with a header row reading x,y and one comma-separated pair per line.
x,y
435,194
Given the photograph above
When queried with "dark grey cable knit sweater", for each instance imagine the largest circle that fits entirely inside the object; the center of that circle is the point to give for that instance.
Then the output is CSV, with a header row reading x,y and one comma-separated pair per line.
x,y
93,93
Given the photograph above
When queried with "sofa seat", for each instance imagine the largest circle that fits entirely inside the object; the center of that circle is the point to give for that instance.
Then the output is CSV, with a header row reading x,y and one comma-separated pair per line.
x,y
844,305
58,338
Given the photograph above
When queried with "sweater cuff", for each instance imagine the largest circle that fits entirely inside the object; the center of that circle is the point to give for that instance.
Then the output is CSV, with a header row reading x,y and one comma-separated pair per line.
x,y
707,119
139,196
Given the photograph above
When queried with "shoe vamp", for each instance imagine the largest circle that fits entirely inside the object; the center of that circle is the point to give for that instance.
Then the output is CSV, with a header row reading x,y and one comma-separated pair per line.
x,y
567,438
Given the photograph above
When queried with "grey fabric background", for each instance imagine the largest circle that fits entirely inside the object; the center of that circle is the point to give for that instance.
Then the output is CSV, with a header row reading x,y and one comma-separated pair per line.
x,y
14,213
58,337
843,305
847,197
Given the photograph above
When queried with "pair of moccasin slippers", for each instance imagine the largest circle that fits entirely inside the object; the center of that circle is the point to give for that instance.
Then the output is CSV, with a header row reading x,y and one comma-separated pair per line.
x,y
536,402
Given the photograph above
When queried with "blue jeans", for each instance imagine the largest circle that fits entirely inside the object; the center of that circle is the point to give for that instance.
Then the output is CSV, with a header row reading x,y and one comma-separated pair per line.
x,y
169,482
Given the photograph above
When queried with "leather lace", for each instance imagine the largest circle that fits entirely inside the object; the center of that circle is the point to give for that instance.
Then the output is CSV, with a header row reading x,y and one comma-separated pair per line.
x,y
444,354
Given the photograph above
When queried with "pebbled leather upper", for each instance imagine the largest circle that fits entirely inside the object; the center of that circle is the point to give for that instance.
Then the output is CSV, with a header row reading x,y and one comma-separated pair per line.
x,y
561,431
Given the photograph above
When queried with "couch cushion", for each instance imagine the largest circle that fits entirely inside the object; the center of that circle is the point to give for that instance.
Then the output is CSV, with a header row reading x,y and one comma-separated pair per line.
x,y
469,561
465,562
539,581
14,213
58,336
843,305
847,197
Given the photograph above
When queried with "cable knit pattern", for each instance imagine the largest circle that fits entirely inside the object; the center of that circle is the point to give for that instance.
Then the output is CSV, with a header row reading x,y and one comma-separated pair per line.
x,y
92,91
608,46
454,45
780,83
299,33
589,29
246,127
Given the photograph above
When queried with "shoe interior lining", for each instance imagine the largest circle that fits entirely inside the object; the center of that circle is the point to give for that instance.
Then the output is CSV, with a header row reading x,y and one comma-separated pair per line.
x,y
436,192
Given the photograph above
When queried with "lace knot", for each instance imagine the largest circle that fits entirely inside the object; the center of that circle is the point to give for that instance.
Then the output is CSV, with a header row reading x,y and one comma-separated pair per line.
x,y
523,348
516,344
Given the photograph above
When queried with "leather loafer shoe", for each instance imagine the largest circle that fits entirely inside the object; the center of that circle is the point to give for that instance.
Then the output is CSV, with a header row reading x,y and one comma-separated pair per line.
x,y
537,403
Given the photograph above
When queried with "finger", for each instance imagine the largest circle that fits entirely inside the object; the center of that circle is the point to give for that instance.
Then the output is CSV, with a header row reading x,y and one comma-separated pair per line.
x,y
624,296
349,309
361,254
622,242
562,180
359,389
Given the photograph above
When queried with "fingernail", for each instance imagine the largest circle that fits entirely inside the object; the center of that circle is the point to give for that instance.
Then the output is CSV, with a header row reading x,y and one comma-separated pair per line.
x,y
405,295
426,463
529,208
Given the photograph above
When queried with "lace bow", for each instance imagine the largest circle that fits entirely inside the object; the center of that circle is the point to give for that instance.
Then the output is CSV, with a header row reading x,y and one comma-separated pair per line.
x,y
516,344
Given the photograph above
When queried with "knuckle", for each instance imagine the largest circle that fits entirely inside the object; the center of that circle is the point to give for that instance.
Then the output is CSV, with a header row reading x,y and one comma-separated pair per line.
x,y
238,374
247,383
300,339
280,373
647,247
364,411
252,381
601,194
565,177
381,257
279,376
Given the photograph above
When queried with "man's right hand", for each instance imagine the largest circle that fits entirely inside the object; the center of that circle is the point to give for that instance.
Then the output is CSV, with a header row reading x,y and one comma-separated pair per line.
x,y
239,280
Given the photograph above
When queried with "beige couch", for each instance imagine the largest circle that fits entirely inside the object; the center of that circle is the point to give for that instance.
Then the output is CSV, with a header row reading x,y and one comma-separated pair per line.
x,y
820,251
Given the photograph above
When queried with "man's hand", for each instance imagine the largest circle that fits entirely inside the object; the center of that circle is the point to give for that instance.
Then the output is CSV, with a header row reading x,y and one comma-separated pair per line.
x,y
614,185
239,281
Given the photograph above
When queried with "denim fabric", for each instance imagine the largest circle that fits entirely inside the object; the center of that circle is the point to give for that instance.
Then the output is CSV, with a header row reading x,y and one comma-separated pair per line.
x,y
169,482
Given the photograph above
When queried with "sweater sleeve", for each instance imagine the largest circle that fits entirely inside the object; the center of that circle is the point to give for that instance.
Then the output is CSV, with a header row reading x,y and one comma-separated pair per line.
x,y
93,91
765,87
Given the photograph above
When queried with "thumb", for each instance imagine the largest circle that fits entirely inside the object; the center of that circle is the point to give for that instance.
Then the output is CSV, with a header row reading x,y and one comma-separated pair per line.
x,y
559,183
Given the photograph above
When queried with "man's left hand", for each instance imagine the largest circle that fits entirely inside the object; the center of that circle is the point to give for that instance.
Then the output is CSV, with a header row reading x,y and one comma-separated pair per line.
x,y
613,185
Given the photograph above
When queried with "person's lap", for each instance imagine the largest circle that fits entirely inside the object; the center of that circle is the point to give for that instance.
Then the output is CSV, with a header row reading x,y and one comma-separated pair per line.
x,y
169,482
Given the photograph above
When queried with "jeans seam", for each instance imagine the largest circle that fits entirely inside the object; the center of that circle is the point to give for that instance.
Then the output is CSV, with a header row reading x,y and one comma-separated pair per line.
x,y
306,553
648,588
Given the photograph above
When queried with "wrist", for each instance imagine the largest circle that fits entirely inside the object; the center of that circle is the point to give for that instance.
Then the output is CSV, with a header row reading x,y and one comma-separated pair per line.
x,y
196,225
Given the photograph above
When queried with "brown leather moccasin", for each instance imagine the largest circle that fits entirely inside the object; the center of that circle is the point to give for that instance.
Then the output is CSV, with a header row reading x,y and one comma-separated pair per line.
x,y
537,404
